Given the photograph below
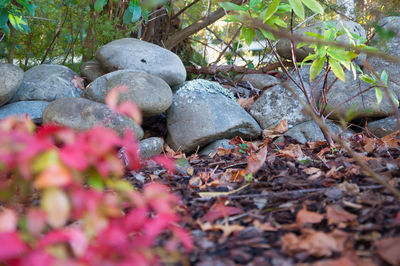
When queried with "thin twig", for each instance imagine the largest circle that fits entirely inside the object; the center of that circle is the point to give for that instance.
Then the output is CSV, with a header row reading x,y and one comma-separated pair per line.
x,y
295,193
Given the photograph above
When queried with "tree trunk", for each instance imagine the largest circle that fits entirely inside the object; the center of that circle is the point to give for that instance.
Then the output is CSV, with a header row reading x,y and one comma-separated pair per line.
x,y
178,37
13,42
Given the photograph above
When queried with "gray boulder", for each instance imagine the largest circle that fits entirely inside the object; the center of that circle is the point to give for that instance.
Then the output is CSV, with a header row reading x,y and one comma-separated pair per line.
x,y
383,127
34,109
364,105
276,104
47,83
142,56
391,47
213,146
284,45
150,147
150,93
83,114
91,70
203,111
309,131
258,81
10,79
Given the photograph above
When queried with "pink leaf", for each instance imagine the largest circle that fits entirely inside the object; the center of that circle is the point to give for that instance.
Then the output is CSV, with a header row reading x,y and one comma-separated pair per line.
x,y
184,237
78,82
131,110
8,220
11,246
165,162
37,258
113,96
136,219
219,210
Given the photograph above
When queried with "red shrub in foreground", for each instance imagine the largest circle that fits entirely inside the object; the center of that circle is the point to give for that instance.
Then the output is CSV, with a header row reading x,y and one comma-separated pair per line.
x,y
88,214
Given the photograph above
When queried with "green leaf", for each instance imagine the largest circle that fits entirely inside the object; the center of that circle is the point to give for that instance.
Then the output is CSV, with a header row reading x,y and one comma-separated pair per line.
x,y
96,181
384,77
314,6
284,8
253,3
27,6
301,44
4,19
378,94
309,57
127,18
267,34
315,35
367,79
272,8
136,10
248,35
316,67
280,22
19,22
330,34
4,3
99,4
337,69
297,7
231,6
338,54
394,97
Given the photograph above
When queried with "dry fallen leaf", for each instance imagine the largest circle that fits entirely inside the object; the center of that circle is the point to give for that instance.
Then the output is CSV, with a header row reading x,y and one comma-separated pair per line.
x,y
349,188
304,217
225,228
282,127
265,226
314,243
389,250
246,103
256,160
337,262
335,214
313,172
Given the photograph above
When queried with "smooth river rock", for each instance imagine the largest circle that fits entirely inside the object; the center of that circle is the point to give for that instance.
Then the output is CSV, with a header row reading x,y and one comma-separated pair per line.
x,y
141,56
150,93
83,114
47,83
203,111
10,79
34,109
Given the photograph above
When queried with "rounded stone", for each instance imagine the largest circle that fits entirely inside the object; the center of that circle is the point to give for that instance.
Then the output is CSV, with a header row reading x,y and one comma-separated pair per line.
x,y
47,83
11,78
82,114
141,56
34,109
150,147
203,111
152,94
91,70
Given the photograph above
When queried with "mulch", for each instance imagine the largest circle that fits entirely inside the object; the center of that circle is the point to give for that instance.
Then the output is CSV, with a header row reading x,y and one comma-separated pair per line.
x,y
265,203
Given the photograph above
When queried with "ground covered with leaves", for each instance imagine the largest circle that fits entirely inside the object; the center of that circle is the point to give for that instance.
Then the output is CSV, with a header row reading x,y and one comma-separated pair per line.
x,y
265,203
